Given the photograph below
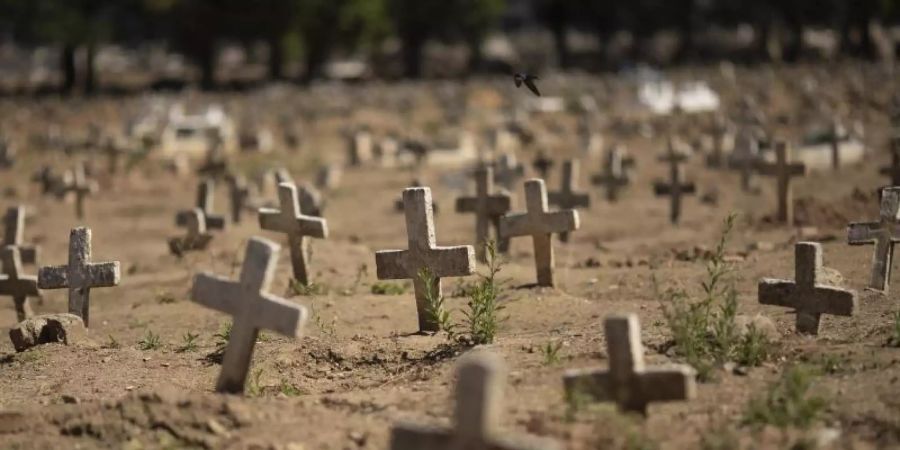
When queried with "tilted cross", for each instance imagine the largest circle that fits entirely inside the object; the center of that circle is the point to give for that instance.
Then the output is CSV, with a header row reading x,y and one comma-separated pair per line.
x,y
614,176
206,196
677,185
14,283
197,238
14,234
540,224
424,258
568,197
783,170
542,164
884,234
488,206
893,170
627,381
479,405
290,220
253,308
806,295
80,275
78,183
238,194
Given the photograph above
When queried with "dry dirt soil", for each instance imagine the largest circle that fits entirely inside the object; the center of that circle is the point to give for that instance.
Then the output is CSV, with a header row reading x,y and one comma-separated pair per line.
x,y
361,367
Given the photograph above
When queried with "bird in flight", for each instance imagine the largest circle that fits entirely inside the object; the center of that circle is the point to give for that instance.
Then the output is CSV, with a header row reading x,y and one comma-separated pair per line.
x,y
528,79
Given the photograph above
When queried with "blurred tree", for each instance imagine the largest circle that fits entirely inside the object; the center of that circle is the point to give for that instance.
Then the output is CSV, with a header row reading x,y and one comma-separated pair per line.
x,y
556,16
415,22
476,19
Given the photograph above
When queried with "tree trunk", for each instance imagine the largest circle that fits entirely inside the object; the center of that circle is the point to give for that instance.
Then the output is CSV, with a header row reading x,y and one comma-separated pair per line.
x,y
686,29
315,58
276,57
208,68
90,81
476,57
562,46
412,56
67,64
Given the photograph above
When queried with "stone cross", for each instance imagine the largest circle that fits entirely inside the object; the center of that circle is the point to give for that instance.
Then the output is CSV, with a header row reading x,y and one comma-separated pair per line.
x,y
197,238
239,195
80,275
883,234
291,221
893,170
488,206
677,185
542,164
14,283
253,308
568,196
14,234
719,130
78,184
47,179
423,254
206,196
783,170
479,405
628,382
507,171
806,295
416,182
614,177
540,224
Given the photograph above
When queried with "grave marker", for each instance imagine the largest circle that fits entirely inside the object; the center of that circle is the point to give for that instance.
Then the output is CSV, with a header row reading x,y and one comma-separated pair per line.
x,y
77,183
80,275
542,164
883,234
508,171
488,206
568,196
14,283
614,176
239,195
423,253
196,237
893,170
677,186
783,170
627,382
291,220
806,295
540,224
252,308
14,234
479,396
206,196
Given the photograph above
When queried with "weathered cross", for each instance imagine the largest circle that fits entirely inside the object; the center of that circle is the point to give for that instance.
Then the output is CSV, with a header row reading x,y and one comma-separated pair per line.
x,y
291,220
14,283
542,164
424,258
806,295
78,184
238,194
197,238
884,234
893,170
14,234
252,307
568,197
614,177
416,182
677,185
487,205
627,381
206,196
783,170
479,405
80,275
540,224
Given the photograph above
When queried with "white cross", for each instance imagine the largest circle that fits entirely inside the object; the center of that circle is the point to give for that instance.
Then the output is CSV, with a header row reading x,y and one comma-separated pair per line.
x,y
290,220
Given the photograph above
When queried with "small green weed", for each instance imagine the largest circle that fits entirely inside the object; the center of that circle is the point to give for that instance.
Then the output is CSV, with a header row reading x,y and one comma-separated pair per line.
x,y
288,389
482,312
150,341
550,350
111,342
327,328
189,342
254,386
388,288
306,290
435,311
788,402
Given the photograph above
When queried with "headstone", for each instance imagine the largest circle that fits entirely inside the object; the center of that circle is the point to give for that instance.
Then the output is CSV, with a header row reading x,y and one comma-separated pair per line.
x,y
627,382
359,148
488,206
479,397
542,164
614,176
7,155
568,196
291,220
14,283
206,203
14,234
423,254
329,177
253,308
883,234
783,170
807,295
508,171
677,185
196,238
80,275
836,135
239,195
540,224
893,170
80,186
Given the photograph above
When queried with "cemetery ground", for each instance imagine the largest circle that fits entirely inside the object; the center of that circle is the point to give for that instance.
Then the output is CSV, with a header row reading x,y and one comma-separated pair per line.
x,y
145,376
